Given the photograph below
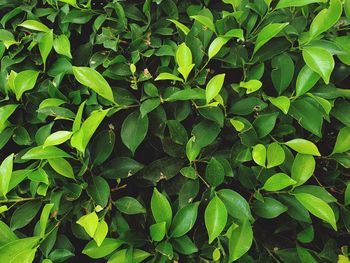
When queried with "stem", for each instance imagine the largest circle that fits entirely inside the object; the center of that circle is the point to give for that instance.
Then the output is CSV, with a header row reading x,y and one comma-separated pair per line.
x,y
19,200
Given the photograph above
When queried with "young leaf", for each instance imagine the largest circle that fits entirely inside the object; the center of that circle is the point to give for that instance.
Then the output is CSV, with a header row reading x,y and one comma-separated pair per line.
x,y
39,153
213,87
251,85
45,46
275,155
318,208
342,143
240,240
183,56
267,33
215,218
35,25
158,231
61,45
303,168
216,45
57,138
95,81
297,3
44,217
25,81
184,220
320,60
303,146
89,222
278,182
107,247
5,112
205,21
161,208
16,251
168,76
259,154
137,126
181,26
5,174
101,232
306,80
62,167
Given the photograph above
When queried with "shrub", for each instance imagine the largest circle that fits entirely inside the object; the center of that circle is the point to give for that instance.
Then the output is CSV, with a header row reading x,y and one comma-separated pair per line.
x,y
174,131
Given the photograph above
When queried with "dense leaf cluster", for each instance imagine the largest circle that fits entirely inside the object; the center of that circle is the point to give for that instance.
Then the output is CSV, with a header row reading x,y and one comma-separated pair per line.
x,y
174,131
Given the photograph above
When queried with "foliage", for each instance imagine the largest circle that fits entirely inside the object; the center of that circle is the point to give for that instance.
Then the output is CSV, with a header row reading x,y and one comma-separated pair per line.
x,y
174,131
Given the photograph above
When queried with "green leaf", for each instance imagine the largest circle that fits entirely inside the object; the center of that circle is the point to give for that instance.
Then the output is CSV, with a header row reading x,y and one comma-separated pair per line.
x,y
181,26
216,45
5,112
89,222
325,19
13,251
215,218
62,167
282,73
102,146
6,234
240,240
81,138
39,153
303,146
251,85
5,174
342,143
267,33
168,76
24,81
61,45
45,46
265,123
107,247
214,86
214,172
318,208
161,208
95,81
306,80
236,205
101,232
270,208
259,154
278,182
303,168
24,214
205,21
320,61
44,217
183,56
317,191
275,155
78,117
57,138
137,126
99,190
129,205
35,25
184,220
347,194
297,3
158,231
149,105
136,256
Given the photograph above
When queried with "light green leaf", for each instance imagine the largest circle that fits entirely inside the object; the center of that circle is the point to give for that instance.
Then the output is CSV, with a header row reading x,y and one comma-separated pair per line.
x,y
215,218
259,154
45,46
168,76
303,146
306,80
251,85
44,217
216,45
205,21
51,102
320,60
62,167
70,2
238,125
161,208
81,138
101,232
94,80
24,81
12,252
183,56
267,33
184,220
61,45
325,19
303,168
278,182
123,255
214,86
318,208
137,126
325,104
275,155
240,240
107,247
57,138
5,112
342,143
296,3
38,153
158,231
6,234
78,117
181,26
347,194
89,222
35,25
5,174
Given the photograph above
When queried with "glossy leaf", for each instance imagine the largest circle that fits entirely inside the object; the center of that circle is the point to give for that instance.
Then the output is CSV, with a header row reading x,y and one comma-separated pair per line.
x,y
161,208
303,146
278,182
25,81
303,168
240,240
184,220
215,218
